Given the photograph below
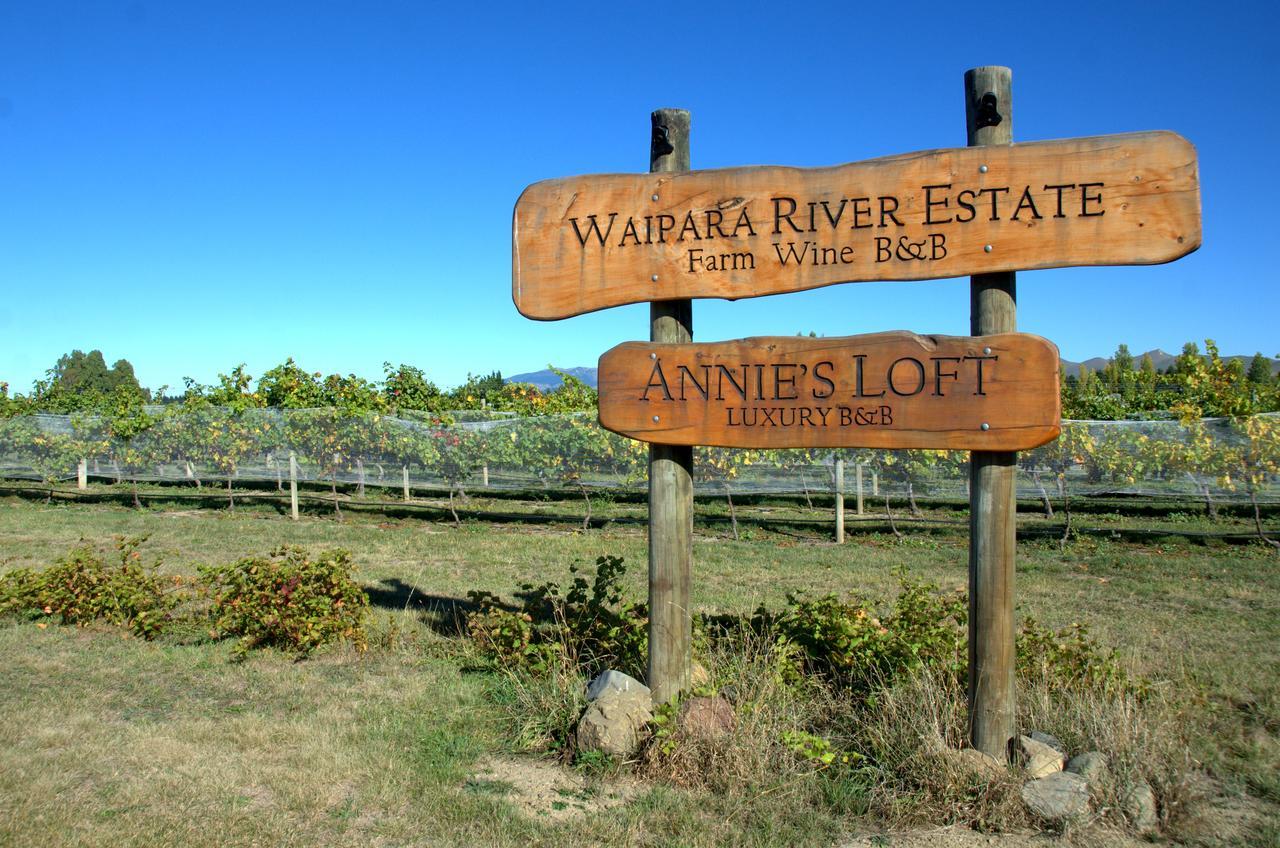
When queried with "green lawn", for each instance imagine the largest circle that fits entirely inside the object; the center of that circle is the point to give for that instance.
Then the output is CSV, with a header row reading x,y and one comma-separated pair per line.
x,y
108,740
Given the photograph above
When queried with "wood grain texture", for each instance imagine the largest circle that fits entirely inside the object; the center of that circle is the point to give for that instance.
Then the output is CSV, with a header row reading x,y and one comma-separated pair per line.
x,y
992,508
670,661
794,392
1145,185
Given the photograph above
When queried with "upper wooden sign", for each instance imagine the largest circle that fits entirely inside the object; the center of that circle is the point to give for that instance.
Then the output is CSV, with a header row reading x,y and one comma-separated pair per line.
x,y
887,390
590,242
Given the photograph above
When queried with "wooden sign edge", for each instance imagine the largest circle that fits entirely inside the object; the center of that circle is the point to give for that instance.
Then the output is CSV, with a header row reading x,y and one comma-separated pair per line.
x,y
1193,240
1036,435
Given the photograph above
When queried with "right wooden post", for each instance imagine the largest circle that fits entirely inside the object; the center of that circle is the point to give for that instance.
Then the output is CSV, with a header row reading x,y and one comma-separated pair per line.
x,y
670,472
988,95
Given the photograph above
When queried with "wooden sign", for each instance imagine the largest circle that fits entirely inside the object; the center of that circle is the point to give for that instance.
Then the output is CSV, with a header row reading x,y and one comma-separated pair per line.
x,y
585,243
886,390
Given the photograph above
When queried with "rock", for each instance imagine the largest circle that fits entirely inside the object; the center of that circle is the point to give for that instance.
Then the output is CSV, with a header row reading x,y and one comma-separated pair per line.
x,y
706,718
730,693
1093,766
614,723
1038,759
978,762
699,676
1060,796
614,681
1048,739
1139,804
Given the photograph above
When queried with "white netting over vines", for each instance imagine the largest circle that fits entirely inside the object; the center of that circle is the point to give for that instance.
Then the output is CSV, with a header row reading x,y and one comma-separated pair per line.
x,y
1205,459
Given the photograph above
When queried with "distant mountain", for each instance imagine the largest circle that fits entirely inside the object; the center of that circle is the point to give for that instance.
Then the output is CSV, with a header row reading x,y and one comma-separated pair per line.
x,y
1160,359
548,379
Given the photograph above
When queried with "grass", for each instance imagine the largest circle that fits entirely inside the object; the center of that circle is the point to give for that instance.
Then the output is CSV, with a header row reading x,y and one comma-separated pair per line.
x,y
109,740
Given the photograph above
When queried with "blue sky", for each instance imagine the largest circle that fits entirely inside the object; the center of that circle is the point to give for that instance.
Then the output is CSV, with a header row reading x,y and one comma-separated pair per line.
x,y
191,186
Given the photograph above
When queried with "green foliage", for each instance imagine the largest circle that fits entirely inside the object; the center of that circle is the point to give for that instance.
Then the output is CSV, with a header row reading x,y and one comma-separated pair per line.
x,y
1069,658
860,648
288,386
1259,372
479,391
507,637
665,728
83,587
287,600
81,381
20,592
1205,382
591,624
408,388
816,750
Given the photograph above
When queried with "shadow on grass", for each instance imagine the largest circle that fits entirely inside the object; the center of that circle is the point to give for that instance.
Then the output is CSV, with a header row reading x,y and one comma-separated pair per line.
x,y
444,614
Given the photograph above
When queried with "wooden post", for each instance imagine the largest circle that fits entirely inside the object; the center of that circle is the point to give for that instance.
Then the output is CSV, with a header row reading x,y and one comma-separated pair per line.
x,y
839,501
293,485
484,476
988,96
670,470
857,470
404,469
875,483
82,474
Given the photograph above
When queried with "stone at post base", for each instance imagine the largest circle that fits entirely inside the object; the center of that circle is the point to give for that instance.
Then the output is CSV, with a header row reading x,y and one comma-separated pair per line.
x,y
1139,804
614,723
1093,766
1038,759
1048,739
1058,797
706,718
978,762
613,681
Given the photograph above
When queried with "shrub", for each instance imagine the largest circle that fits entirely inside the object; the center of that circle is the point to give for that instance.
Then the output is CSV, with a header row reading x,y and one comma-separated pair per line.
x,y
592,624
287,600
507,637
20,592
82,587
857,647
1070,658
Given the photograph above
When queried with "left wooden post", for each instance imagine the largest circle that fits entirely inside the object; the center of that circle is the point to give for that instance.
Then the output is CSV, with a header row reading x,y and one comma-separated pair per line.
x,y
670,470
992,506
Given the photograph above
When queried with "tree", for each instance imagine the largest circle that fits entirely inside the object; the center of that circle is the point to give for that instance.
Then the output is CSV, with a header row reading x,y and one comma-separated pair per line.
x,y
126,420
1072,447
1259,370
721,465
1119,368
288,386
1257,461
407,387
477,391
1215,387
1187,360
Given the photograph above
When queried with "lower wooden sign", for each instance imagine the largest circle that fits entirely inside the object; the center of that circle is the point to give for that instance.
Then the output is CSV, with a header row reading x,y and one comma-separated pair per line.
x,y
884,390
